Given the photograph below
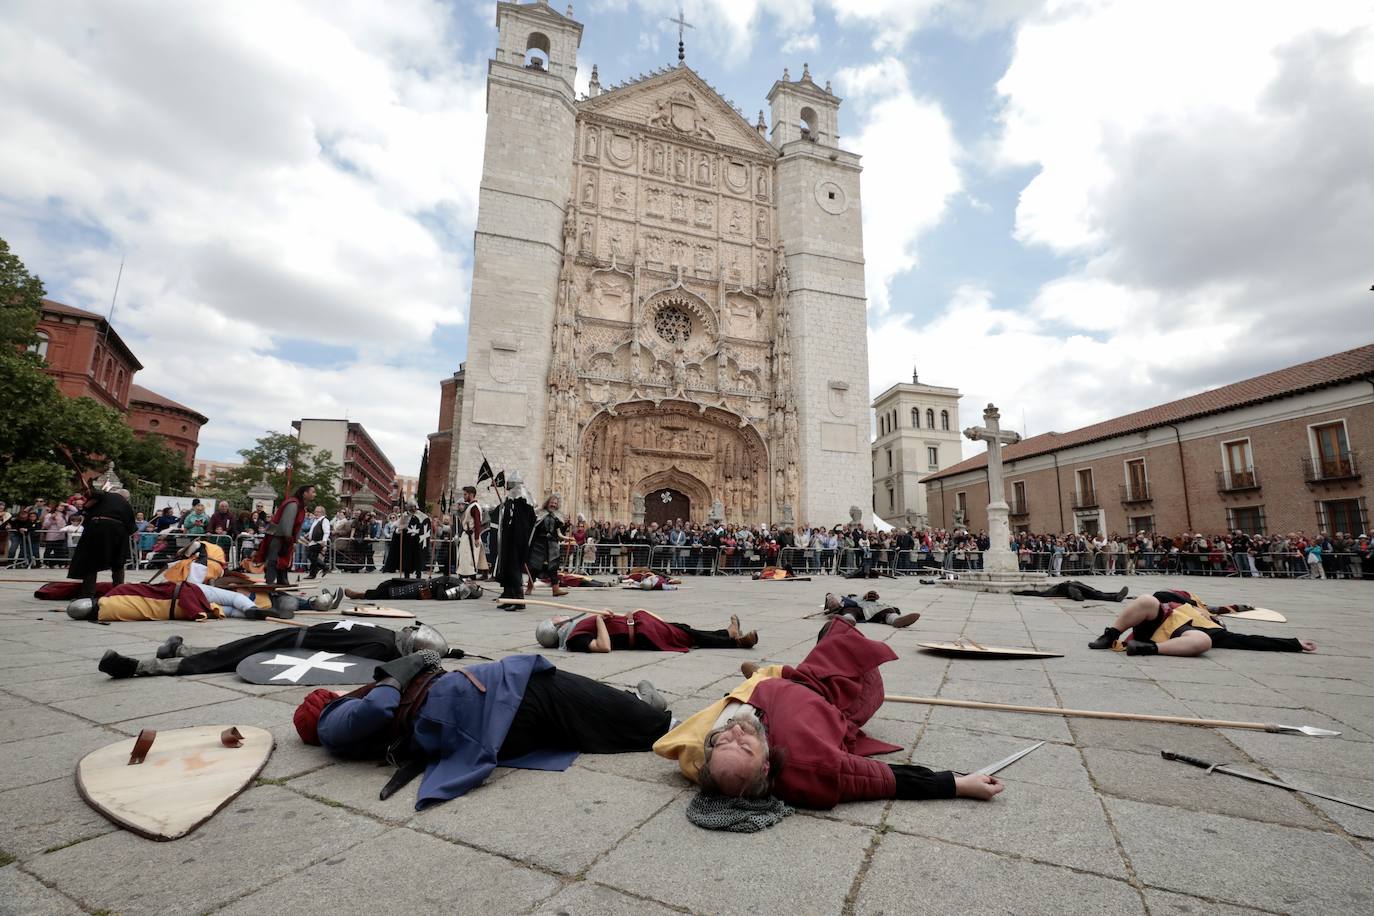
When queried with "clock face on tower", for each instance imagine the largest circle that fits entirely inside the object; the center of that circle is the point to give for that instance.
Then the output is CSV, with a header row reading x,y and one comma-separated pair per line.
x,y
831,197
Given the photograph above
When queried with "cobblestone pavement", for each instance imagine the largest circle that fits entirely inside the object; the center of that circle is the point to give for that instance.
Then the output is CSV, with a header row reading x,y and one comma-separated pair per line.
x,y
1093,822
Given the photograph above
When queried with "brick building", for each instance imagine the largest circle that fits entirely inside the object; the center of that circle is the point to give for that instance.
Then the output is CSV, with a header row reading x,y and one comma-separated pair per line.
x,y
368,475
441,449
1279,452
85,355
179,425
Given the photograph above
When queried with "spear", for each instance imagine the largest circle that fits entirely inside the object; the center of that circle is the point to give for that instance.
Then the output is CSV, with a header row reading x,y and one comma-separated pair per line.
x,y
1308,730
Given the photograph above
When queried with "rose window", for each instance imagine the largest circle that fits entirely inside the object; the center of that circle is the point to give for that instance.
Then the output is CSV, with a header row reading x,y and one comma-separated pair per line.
x,y
673,324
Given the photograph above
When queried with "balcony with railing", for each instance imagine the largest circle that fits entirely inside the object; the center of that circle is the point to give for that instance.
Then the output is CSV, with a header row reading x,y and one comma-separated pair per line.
x,y
1324,470
1237,481
1136,492
1087,499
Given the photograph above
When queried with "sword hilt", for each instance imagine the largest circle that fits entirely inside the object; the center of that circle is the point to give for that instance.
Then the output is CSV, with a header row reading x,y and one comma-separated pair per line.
x,y
1195,761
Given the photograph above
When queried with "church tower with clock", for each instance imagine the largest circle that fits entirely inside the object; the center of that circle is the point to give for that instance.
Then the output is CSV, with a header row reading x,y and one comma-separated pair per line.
x,y
668,316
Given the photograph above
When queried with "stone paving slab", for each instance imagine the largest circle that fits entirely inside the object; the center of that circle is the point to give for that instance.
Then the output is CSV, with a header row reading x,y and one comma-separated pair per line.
x,y
1079,818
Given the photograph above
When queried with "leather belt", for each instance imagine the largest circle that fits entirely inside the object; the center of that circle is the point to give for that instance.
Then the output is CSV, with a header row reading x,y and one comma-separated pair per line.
x,y
630,629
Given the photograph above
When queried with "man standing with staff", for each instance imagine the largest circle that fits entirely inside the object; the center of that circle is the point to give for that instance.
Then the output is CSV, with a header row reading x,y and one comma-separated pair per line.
x,y
472,558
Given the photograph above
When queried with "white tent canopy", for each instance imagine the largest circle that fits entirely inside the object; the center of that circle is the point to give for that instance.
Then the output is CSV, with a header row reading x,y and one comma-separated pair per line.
x,y
880,525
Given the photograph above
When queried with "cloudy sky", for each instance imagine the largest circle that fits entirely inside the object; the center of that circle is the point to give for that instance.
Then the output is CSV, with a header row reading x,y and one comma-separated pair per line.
x,y
1071,208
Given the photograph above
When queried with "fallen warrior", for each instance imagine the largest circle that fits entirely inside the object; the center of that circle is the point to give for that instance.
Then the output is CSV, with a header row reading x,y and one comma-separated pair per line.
x,y
440,588
797,734
869,609
640,630
351,637
457,727
1180,623
1075,591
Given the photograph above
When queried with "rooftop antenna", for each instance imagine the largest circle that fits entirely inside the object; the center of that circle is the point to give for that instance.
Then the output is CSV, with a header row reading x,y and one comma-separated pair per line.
x,y
681,23
110,320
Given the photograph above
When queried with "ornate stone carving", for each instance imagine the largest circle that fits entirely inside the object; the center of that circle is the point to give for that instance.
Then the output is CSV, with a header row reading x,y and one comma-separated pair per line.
x,y
681,112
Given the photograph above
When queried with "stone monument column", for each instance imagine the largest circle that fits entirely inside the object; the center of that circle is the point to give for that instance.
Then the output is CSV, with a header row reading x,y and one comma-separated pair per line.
x,y
999,557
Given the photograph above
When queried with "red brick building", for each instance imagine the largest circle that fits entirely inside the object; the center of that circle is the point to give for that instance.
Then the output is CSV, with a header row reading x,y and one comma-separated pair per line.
x,y
1279,452
179,425
86,356
441,449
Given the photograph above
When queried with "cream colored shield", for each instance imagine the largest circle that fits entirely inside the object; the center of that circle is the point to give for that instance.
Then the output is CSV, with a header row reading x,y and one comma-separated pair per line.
x,y
186,776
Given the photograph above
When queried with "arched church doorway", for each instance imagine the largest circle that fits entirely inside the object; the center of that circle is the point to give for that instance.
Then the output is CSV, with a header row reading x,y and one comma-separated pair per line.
x,y
666,506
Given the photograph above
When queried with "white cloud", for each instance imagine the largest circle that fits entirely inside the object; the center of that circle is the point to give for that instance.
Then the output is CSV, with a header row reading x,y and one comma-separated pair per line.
x,y
802,41
270,170
1203,170
910,162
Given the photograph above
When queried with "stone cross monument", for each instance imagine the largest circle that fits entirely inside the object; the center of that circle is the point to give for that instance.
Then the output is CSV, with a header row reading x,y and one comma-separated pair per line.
x,y
999,556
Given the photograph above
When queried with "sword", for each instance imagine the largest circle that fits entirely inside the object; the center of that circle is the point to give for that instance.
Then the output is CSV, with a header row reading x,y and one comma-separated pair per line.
x,y
1221,768
992,768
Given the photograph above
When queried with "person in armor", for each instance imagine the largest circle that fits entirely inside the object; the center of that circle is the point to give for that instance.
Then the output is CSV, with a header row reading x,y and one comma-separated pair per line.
x,y
472,556
104,542
352,637
457,727
438,588
868,609
607,632
514,528
546,545
1074,591
409,554
277,549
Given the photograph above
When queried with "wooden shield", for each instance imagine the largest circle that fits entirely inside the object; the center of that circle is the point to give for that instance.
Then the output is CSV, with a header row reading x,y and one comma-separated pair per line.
x,y
965,650
187,775
364,610
306,668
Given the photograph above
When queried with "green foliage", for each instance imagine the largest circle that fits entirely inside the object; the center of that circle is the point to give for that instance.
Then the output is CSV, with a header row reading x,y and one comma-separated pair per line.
x,y
21,301
421,491
269,458
155,464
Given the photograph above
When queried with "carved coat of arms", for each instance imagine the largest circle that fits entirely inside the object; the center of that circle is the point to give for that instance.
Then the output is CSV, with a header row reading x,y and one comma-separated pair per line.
x,y
682,113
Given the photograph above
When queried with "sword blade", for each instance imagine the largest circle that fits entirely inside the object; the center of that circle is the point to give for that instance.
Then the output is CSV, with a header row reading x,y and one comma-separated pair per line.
x,y
1253,777
992,768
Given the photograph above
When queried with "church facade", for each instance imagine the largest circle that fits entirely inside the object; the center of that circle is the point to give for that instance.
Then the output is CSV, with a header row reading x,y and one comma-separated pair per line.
x,y
668,316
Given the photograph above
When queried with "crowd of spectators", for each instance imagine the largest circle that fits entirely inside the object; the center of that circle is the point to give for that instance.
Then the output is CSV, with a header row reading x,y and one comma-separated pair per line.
x,y
356,540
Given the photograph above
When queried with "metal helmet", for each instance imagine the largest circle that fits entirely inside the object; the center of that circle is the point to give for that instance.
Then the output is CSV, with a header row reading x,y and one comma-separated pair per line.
x,y
420,636
324,601
81,608
546,633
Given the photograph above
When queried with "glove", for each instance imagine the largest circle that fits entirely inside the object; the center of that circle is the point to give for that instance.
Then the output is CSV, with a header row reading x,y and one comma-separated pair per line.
x,y
402,671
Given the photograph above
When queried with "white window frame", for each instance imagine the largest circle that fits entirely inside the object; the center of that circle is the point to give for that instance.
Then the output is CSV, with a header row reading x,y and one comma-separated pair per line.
x,y
933,465
1126,471
1249,453
1313,449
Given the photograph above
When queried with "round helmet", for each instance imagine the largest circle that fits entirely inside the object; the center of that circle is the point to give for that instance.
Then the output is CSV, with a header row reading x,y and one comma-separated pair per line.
x,y
324,601
547,634
420,636
81,609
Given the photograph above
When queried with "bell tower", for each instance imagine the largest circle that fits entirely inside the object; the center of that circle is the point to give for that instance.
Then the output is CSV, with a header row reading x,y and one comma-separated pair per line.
x,y
518,245
821,231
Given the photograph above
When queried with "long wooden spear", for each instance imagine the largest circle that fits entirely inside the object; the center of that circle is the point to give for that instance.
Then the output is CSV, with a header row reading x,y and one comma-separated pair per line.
x,y
1309,730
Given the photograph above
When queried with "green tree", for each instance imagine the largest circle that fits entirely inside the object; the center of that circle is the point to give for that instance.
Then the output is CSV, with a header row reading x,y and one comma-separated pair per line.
x,y
21,301
269,458
155,464
421,491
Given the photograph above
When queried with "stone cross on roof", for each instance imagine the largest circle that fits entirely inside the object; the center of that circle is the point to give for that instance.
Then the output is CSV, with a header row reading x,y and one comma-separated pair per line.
x,y
681,23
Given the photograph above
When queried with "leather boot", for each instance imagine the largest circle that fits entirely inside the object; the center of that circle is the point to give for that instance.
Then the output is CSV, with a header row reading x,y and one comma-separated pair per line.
x,y
149,667
559,591
116,665
906,620
1109,636
748,640
1139,647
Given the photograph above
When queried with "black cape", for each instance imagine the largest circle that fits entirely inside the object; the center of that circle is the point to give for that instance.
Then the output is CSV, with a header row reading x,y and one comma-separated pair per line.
x,y
104,543
515,525
410,546
352,637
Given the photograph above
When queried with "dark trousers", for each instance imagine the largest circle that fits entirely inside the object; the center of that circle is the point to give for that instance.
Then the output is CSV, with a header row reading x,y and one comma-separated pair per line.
x,y
708,639
1225,639
566,711
271,575
316,553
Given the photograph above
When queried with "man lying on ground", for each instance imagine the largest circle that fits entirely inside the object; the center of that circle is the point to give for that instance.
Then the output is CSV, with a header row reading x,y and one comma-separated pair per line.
x,y
350,637
797,734
649,581
1075,591
639,630
777,572
1180,623
457,727
869,609
439,588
